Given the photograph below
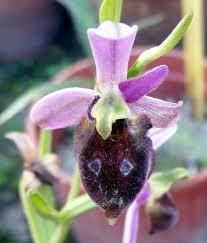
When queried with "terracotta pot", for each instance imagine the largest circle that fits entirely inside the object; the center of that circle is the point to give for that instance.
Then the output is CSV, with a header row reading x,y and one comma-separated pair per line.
x,y
26,27
190,196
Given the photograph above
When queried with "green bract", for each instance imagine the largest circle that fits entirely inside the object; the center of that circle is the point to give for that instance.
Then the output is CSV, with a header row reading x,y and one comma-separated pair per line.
x,y
41,205
110,10
40,228
161,182
79,206
167,45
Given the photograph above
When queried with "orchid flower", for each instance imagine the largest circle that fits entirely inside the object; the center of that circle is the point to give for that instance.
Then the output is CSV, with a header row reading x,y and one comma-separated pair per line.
x,y
118,98
113,107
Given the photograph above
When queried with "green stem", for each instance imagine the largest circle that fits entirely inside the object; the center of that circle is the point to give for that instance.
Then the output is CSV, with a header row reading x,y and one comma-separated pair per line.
x,y
45,143
75,189
29,212
79,205
62,229
34,220
167,45
110,10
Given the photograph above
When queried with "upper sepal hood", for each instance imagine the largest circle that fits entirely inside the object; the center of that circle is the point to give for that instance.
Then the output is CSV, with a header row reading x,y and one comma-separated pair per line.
x,y
111,45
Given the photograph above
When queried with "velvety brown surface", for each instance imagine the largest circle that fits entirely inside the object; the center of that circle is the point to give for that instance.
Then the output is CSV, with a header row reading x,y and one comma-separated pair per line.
x,y
114,170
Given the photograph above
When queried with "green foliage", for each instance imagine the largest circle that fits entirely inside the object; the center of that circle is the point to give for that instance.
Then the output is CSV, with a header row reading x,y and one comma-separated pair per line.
x,y
83,17
17,77
41,228
78,206
110,10
161,182
167,45
45,144
42,205
9,172
5,237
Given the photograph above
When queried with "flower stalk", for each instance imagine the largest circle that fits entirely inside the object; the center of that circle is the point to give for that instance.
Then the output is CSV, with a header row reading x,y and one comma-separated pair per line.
x,y
35,220
63,228
45,143
29,212
167,45
110,10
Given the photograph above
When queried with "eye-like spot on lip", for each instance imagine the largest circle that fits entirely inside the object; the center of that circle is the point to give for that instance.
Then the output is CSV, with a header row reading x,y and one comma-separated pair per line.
x,y
125,167
95,166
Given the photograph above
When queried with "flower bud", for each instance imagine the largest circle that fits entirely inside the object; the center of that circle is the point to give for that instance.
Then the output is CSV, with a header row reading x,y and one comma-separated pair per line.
x,y
162,212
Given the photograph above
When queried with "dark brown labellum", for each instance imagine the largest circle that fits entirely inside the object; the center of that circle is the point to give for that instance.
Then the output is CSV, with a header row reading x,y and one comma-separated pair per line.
x,y
113,171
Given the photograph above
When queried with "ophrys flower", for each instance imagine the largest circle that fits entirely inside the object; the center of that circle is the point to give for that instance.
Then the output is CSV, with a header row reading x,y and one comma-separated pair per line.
x,y
114,150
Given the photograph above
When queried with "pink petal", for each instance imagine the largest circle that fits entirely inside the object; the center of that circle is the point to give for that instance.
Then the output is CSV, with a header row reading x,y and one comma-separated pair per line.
x,y
62,108
161,113
111,45
131,225
160,135
134,89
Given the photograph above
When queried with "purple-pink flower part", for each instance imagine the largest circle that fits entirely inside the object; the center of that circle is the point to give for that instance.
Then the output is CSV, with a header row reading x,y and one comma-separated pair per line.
x,y
111,45
131,226
134,89
62,108
161,113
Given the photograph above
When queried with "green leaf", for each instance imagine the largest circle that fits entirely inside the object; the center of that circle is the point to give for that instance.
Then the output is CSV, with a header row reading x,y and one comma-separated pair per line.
x,y
41,228
161,182
78,206
110,10
83,17
167,45
24,100
42,205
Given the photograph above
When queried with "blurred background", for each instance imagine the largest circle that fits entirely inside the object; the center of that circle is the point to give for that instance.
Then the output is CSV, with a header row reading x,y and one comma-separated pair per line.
x,y
38,39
